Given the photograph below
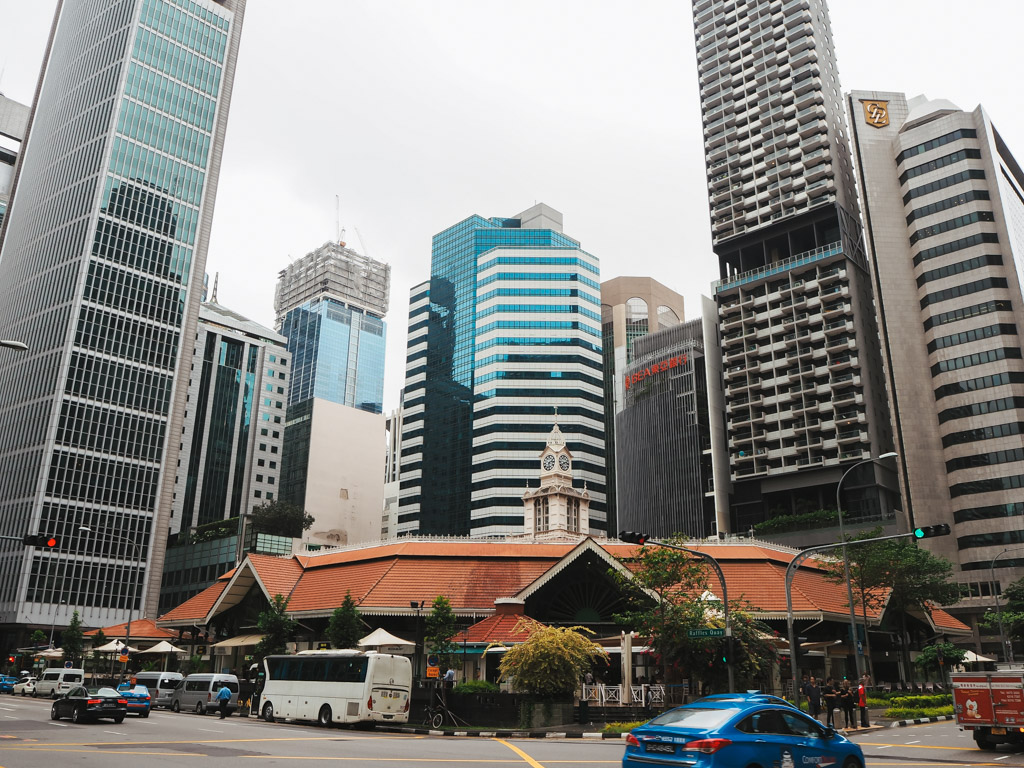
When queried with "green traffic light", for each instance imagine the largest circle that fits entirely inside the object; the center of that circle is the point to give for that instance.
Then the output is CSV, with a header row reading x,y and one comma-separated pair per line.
x,y
918,533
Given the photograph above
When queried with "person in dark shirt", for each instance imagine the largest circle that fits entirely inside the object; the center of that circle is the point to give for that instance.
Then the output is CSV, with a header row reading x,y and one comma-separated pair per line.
x,y
847,702
831,695
813,694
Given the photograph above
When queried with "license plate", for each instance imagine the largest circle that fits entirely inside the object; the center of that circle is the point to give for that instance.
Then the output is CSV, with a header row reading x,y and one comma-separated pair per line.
x,y
656,747
999,731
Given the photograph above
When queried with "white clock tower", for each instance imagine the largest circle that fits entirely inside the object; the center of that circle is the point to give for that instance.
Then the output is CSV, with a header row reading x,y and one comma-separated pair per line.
x,y
556,507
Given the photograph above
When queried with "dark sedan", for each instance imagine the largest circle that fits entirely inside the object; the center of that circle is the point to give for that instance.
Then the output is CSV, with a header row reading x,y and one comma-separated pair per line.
x,y
82,704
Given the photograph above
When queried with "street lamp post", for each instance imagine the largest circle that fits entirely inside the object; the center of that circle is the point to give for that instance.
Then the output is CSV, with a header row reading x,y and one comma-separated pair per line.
x,y
53,624
135,582
1007,645
858,664
418,606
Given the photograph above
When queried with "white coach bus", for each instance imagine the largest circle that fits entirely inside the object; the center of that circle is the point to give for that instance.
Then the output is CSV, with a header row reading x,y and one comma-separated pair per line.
x,y
337,687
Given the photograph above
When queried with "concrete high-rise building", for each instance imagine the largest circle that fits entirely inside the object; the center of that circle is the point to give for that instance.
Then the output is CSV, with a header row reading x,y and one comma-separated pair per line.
x,y
631,307
331,305
101,269
805,395
943,203
231,454
13,127
504,339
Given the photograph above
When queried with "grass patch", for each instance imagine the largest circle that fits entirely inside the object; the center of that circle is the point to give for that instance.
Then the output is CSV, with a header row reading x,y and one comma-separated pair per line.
x,y
909,713
621,727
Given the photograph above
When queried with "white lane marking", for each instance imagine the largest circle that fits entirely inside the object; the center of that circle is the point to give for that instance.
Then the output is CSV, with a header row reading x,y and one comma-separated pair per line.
x,y
210,730
10,717
914,742
1003,757
116,733
61,725
8,709
885,746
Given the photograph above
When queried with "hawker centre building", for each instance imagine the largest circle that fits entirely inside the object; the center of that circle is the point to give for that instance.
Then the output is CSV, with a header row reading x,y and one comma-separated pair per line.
x,y
561,580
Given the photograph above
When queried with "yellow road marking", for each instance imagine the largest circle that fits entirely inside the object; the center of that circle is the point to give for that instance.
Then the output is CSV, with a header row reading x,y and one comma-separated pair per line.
x,y
526,758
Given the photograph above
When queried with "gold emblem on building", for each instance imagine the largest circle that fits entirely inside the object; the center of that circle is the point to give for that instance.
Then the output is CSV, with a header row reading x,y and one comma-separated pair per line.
x,y
876,113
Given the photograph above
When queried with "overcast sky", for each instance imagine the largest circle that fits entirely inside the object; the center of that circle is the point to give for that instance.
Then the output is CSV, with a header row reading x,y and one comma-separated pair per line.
x,y
418,113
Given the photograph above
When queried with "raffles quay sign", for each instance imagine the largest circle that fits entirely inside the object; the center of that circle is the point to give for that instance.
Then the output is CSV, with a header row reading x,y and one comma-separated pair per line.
x,y
632,379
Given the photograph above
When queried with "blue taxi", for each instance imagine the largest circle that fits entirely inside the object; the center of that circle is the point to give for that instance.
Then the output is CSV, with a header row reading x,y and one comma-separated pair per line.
x,y
137,698
736,731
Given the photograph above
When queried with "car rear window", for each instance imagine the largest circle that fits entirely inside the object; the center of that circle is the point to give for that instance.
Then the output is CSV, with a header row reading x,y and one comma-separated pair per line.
x,y
695,717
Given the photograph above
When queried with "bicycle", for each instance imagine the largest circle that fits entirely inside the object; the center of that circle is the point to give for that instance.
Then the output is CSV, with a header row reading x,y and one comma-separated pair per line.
x,y
434,715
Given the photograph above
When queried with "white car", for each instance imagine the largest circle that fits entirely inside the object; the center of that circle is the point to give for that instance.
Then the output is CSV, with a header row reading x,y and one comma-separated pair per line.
x,y
25,686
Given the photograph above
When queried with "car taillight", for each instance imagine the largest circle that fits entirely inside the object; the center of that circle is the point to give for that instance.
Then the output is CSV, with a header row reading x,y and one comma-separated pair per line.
x,y
122,701
707,746
147,698
632,741
94,701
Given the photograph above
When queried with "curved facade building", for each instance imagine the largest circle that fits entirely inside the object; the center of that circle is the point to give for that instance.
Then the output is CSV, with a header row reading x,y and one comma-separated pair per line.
x,y
663,439
101,265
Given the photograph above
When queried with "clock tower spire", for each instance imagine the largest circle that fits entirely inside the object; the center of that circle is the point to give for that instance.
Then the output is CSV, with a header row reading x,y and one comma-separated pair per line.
x,y
556,506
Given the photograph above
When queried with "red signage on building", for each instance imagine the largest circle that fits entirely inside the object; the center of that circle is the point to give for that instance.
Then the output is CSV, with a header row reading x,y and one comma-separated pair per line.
x,y
654,369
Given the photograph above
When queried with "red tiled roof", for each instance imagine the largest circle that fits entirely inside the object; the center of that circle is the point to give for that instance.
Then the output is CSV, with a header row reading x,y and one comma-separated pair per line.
x,y
944,620
499,628
278,574
142,629
196,607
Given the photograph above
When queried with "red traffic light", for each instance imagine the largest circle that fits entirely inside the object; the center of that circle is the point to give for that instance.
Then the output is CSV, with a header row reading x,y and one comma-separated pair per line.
x,y
633,537
39,540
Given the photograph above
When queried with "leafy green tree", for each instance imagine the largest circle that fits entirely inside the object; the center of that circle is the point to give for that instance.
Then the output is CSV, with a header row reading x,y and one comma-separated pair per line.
x,y
346,626
439,628
99,639
281,518
551,661
928,659
917,578
277,628
71,639
659,590
38,638
1011,612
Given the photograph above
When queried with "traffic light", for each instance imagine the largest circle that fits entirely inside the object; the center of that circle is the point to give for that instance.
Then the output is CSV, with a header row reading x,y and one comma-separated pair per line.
x,y
39,540
10,659
927,531
727,649
633,537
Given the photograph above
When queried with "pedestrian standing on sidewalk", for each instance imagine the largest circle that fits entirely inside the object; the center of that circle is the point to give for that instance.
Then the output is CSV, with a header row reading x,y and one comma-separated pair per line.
x,y
813,693
847,703
831,696
862,700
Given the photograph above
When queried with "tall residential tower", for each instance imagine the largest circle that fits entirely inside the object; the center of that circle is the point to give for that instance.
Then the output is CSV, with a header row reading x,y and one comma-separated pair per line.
x,y
504,339
101,270
805,397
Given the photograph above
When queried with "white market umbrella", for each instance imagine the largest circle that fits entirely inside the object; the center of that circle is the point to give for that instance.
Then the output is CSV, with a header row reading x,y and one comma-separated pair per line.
x,y
52,653
385,642
165,648
116,646
972,657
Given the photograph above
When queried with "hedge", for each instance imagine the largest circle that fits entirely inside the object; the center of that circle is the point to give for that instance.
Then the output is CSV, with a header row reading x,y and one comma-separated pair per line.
x,y
909,713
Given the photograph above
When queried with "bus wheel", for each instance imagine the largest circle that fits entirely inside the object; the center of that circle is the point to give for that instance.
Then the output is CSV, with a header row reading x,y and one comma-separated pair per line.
x,y
268,712
325,716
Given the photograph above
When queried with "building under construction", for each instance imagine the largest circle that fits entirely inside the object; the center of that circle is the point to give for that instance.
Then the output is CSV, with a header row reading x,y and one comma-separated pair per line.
x,y
334,271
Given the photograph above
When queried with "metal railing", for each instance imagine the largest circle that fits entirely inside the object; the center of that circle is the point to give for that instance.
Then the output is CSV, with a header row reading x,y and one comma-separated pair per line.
x,y
797,260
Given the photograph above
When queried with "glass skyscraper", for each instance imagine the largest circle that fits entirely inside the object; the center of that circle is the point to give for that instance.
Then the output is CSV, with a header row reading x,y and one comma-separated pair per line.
x,y
101,267
504,340
331,305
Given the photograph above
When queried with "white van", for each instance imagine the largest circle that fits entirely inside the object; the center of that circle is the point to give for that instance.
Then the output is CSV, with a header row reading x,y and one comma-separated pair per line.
x,y
160,684
56,681
198,693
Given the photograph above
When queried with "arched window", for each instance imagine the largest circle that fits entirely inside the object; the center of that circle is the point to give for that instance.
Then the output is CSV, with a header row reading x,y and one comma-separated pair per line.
x,y
636,312
667,317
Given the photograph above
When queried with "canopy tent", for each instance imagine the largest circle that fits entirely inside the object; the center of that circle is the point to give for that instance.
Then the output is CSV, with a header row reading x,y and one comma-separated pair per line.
x,y
115,646
383,641
52,653
238,641
164,647
971,657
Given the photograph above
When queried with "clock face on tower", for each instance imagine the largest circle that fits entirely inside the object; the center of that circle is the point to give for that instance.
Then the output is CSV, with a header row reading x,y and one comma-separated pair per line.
x,y
563,463
549,463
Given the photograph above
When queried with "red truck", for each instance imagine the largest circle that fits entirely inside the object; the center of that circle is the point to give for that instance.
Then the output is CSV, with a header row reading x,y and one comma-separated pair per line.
x,y
991,704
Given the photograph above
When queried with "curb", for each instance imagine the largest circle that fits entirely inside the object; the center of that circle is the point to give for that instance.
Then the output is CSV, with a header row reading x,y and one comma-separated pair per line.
x,y
920,720
594,736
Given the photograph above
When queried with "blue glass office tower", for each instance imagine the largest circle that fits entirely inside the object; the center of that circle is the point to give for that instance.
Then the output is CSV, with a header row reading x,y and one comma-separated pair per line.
x,y
101,266
331,305
504,340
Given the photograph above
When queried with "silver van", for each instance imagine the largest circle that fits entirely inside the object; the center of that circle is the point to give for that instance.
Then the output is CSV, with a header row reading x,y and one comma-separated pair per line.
x,y
56,681
198,693
160,684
